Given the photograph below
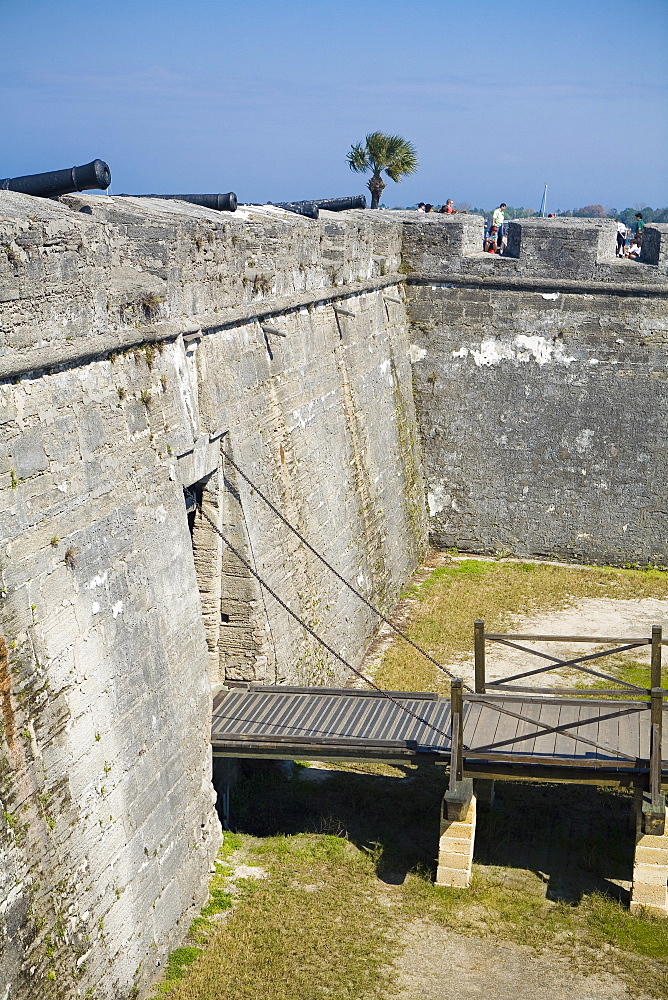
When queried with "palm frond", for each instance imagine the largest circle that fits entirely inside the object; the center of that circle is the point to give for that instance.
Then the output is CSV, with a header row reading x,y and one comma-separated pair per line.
x,y
357,159
396,156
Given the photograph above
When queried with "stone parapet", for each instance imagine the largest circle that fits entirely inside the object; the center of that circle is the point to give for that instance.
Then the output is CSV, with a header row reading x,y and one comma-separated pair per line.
x,y
560,248
106,266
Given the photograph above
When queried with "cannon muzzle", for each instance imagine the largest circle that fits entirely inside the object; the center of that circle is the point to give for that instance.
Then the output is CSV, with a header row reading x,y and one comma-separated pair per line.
x,y
93,175
219,202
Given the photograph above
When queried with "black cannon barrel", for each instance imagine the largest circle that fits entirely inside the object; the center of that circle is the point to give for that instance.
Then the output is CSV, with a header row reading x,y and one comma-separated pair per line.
x,y
219,202
307,208
95,174
341,204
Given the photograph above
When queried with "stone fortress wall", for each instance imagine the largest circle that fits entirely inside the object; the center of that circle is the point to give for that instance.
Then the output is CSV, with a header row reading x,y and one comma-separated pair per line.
x,y
137,352
541,389
132,358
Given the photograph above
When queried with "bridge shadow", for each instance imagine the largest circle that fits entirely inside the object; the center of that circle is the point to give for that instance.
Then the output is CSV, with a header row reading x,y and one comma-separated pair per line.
x,y
571,839
575,839
392,813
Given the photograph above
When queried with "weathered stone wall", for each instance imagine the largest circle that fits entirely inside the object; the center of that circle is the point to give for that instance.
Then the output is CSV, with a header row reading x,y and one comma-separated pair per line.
x,y
131,359
541,390
138,355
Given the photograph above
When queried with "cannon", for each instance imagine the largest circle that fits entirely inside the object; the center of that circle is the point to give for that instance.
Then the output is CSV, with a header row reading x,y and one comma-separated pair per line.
x,y
93,175
341,204
311,209
307,208
219,202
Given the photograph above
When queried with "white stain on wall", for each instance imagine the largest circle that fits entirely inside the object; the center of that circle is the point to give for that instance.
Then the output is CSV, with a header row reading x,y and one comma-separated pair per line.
x,y
416,353
522,348
438,499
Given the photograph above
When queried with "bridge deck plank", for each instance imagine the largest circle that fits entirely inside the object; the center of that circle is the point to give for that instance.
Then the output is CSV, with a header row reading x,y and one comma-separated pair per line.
x,y
504,727
589,728
564,746
629,734
275,721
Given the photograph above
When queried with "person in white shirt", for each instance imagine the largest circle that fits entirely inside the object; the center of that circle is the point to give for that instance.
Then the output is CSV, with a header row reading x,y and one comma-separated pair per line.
x,y
621,238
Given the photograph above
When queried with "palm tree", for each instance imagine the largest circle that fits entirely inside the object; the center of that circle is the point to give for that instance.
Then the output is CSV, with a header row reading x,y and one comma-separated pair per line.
x,y
380,152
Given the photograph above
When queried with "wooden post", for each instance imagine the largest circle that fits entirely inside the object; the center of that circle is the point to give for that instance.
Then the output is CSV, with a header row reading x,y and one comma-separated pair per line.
x,y
458,811
479,652
457,732
656,718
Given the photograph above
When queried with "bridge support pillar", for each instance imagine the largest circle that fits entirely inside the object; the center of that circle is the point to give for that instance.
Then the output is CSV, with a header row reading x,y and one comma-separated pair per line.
x,y
455,849
650,865
484,790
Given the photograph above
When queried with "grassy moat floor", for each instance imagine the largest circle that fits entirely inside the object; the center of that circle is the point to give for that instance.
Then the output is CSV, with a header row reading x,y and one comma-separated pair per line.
x,y
324,891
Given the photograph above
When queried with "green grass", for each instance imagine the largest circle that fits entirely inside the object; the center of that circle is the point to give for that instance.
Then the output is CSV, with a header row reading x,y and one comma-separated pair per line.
x,y
314,929
624,668
351,859
455,595
327,921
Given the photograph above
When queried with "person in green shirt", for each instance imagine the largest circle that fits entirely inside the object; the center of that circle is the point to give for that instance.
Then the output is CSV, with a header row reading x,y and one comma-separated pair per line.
x,y
638,228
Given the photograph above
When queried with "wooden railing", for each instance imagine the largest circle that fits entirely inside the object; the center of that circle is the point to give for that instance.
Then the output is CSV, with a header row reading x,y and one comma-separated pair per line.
x,y
653,694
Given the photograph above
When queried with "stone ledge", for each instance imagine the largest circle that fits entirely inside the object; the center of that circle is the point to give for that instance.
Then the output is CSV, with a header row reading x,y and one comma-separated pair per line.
x,y
65,355
645,875
458,845
538,284
652,855
647,897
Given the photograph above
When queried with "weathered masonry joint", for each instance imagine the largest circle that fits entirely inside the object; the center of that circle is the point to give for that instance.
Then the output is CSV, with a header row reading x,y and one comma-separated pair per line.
x,y
349,367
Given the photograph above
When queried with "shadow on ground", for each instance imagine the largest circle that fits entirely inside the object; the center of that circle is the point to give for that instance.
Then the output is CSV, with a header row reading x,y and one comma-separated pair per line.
x,y
574,839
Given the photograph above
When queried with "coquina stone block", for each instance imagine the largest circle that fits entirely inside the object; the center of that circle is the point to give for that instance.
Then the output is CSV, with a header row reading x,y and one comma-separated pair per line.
x,y
649,891
455,849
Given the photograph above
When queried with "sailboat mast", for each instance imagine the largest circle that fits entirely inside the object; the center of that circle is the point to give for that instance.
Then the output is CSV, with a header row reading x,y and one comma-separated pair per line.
x,y
543,204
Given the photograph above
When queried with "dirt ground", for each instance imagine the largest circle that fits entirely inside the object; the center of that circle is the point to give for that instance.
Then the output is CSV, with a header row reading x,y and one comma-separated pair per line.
x,y
605,617
439,965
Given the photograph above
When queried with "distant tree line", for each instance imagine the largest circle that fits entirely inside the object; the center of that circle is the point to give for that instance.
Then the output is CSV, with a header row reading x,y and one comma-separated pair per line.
x,y
627,216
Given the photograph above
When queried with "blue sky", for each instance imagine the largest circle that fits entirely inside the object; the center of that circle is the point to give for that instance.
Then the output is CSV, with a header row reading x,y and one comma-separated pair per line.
x,y
265,98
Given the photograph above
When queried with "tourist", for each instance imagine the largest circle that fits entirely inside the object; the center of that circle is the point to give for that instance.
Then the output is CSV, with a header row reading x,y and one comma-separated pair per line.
x,y
428,207
421,207
448,208
621,238
489,241
498,218
638,228
634,250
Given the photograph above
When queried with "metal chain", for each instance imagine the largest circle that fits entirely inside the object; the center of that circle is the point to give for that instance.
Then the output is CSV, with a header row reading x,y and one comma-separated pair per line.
x,y
384,618
349,666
